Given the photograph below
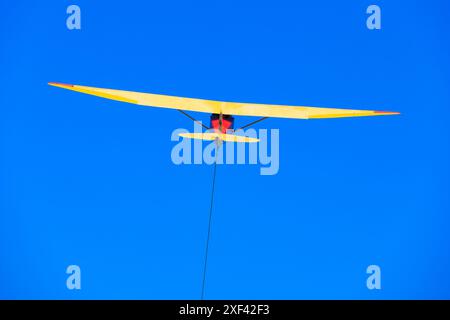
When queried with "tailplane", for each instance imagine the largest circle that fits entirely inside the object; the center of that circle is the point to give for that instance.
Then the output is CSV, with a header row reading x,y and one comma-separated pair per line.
x,y
211,136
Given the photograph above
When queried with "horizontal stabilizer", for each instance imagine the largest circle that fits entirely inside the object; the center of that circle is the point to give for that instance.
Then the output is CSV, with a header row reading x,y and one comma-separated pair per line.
x,y
211,136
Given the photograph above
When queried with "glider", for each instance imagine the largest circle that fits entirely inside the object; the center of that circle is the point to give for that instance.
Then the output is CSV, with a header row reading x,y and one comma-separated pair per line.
x,y
222,121
222,112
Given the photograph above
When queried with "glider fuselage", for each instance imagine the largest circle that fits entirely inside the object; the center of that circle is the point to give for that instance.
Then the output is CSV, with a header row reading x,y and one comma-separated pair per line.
x,y
221,122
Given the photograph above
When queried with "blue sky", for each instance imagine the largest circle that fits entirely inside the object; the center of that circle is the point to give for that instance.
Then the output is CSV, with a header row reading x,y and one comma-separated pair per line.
x,y
90,182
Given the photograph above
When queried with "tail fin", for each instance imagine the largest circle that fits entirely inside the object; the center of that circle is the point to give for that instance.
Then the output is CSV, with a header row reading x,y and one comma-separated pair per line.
x,y
211,136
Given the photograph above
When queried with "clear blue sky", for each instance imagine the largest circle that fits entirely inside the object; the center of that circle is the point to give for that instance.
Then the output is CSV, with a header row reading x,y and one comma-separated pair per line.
x,y
90,182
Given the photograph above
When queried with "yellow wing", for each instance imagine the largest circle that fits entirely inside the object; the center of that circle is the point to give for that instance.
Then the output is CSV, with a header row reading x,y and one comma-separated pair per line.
x,y
211,106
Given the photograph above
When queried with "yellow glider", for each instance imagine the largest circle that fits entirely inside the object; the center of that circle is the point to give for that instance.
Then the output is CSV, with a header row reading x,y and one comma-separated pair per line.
x,y
221,108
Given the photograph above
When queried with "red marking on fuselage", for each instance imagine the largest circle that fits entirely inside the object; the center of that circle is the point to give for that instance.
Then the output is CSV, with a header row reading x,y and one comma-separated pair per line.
x,y
226,125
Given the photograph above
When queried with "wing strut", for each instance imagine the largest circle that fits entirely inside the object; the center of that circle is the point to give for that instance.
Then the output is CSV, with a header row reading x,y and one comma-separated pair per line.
x,y
252,123
193,119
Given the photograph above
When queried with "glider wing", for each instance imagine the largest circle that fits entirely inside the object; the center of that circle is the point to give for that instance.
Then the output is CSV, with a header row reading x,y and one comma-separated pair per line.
x,y
211,106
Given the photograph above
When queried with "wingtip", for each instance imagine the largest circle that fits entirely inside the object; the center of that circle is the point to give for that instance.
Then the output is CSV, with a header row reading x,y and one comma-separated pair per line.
x,y
59,84
388,113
